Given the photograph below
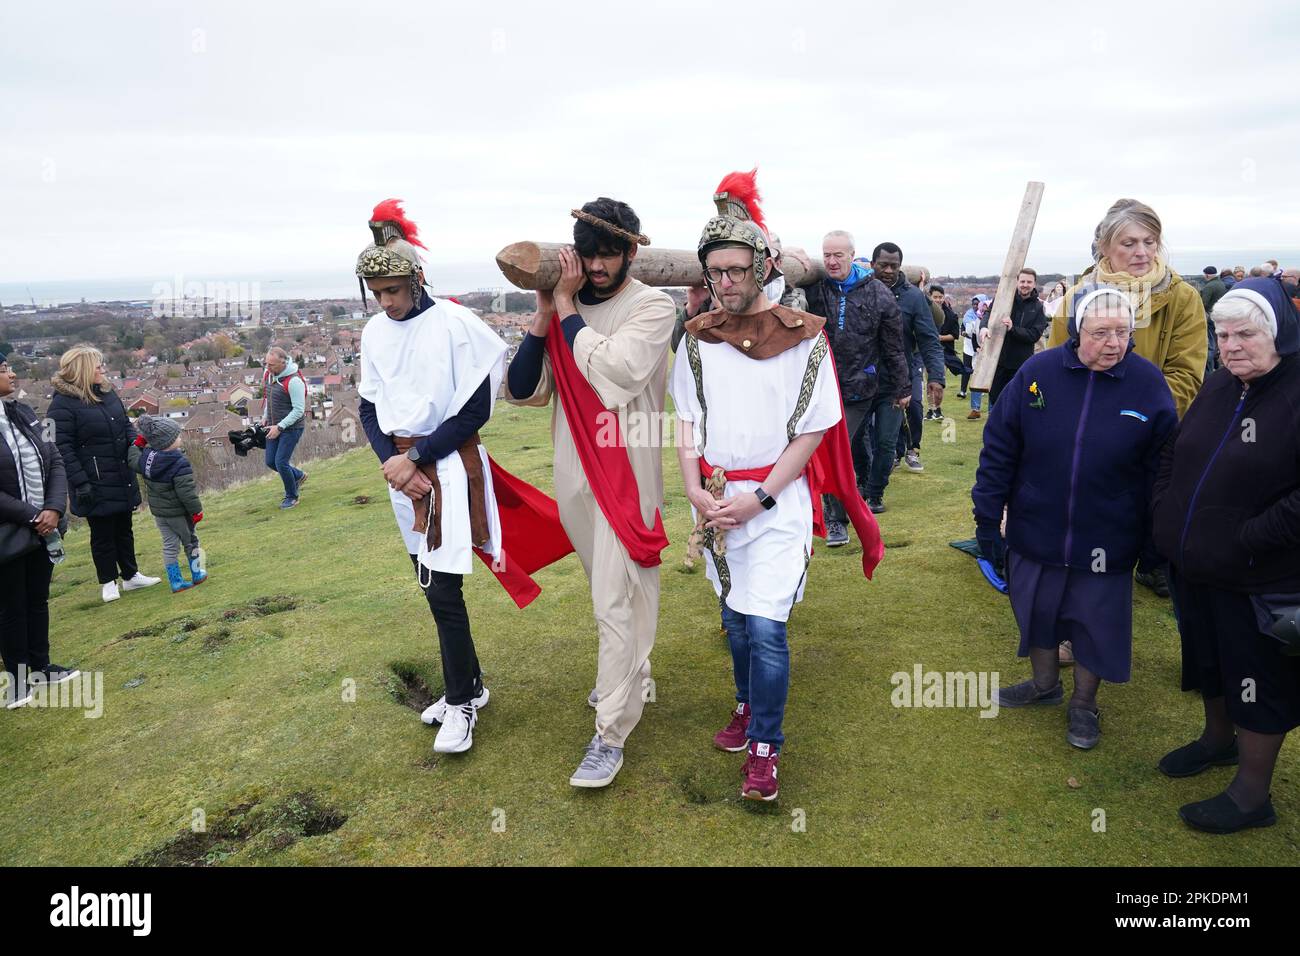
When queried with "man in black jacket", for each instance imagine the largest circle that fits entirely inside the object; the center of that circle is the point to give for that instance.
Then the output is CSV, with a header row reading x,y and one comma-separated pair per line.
x,y
866,336
924,358
1025,327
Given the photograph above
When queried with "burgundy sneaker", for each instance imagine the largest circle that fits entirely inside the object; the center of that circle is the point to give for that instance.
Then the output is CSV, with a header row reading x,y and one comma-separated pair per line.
x,y
732,738
760,773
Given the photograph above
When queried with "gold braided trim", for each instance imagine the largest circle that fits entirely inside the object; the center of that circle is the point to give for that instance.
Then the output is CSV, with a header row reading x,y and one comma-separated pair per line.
x,y
806,387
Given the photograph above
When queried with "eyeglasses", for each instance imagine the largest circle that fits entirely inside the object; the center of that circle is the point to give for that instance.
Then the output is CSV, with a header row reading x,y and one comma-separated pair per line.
x,y
1102,335
734,273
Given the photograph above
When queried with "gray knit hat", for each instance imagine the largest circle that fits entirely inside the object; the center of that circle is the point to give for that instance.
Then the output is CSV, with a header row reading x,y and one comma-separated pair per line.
x,y
159,432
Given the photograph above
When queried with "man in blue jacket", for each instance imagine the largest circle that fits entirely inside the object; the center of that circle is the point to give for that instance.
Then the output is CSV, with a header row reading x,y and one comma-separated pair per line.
x,y
923,352
284,405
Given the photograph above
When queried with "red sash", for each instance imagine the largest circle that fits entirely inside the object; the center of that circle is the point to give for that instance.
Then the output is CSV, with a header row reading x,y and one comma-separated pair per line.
x,y
608,469
531,534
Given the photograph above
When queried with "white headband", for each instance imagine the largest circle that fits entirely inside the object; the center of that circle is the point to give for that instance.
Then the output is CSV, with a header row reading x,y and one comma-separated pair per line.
x,y
1095,294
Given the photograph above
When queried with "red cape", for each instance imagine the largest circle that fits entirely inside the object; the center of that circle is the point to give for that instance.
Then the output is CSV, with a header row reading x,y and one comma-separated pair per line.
x,y
608,468
832,474
531,534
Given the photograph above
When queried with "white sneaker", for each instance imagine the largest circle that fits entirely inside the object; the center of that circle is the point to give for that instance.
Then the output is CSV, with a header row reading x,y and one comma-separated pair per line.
x,y
138,581
434,712
110,592
456,735
13,697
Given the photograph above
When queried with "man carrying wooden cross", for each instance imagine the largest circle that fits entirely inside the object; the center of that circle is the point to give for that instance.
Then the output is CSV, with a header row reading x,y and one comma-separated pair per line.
x,y
607,355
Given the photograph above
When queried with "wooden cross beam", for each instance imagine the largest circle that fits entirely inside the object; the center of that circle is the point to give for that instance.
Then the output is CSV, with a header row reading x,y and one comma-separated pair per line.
x,y
986,359
536,265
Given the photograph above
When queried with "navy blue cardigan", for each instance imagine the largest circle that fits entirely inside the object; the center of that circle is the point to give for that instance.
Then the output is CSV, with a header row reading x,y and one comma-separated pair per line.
x,y
1076,474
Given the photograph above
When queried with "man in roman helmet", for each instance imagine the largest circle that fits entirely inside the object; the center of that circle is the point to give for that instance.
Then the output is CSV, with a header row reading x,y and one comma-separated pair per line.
x,y
755,390
430,372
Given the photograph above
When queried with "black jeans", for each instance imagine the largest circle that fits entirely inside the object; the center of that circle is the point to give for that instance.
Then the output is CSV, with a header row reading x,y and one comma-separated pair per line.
x,y
1001,378
461,675
855,422
112,545
25,611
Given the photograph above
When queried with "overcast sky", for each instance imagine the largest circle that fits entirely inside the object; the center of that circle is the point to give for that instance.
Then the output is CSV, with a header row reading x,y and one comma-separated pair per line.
x,y
147,139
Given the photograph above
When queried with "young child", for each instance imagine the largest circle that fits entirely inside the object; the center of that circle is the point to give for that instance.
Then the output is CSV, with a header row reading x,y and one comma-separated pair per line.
x,y
173,496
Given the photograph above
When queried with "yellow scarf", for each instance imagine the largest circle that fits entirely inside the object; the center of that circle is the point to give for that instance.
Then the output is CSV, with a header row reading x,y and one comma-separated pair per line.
x,y
1138,288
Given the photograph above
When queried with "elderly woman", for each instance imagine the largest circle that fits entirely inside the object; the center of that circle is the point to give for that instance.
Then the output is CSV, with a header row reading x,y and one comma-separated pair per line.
x,y
1227,516
1171,330
1072,450
93,433
33,496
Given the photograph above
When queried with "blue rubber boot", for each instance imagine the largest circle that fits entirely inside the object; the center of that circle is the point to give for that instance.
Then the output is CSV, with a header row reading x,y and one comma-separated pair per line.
x,y
197,574
174,578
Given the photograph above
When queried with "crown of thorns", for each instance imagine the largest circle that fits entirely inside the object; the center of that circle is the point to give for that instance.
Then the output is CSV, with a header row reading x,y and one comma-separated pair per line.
x,y
639,238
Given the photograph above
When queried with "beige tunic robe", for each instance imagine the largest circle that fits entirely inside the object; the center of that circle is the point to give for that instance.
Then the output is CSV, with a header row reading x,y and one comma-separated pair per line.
x,y
623,354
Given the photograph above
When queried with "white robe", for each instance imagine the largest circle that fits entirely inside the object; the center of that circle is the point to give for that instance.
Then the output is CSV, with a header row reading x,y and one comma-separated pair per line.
x,y
749,403
418,373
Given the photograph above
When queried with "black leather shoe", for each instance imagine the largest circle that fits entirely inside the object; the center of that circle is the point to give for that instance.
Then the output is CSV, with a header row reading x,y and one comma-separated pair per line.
x,y
1155,580
1220,815
1084,728
1026,693
1194,758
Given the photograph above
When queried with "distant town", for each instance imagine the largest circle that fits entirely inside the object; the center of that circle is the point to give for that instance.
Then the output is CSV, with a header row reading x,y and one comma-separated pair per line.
x,y
198,359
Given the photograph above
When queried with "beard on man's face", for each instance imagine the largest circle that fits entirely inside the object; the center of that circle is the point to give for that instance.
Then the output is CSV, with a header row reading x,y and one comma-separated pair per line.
x,y
604,282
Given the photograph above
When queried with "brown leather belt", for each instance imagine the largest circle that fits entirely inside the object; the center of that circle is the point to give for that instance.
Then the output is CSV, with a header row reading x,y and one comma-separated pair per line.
x,y
478,521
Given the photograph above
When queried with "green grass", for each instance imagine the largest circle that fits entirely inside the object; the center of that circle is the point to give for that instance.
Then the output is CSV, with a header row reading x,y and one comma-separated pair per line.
x,y
237,709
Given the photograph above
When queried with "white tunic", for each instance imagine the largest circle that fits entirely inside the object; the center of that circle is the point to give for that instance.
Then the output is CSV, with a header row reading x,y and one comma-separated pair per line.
x,y
749,403
418,373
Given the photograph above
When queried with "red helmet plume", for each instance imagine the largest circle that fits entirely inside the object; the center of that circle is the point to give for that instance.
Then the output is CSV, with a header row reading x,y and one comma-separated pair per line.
x,y
390,210
741,188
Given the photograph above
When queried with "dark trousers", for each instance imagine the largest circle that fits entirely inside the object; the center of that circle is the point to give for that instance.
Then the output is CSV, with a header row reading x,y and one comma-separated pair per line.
x,y
887,420
1000,379
25,611
967,370
112,545
461,675
856,416
909,432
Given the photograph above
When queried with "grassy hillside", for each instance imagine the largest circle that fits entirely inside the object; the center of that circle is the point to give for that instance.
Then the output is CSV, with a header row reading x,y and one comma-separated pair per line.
x,y
232,700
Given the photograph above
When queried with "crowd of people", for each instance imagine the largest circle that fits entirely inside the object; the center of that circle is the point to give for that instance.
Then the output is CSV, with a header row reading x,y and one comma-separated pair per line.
x,y
1139,428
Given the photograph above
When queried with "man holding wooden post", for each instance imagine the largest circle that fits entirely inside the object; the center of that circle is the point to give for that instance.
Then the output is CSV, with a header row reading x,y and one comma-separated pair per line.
x,y
608,353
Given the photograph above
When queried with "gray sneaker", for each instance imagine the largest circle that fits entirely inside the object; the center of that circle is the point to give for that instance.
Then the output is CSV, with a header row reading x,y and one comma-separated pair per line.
x,y
593,699
913,459
599,766
836,534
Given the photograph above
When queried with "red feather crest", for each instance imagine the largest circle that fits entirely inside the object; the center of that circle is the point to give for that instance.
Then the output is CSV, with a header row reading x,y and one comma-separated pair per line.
x,y
743,187
390,210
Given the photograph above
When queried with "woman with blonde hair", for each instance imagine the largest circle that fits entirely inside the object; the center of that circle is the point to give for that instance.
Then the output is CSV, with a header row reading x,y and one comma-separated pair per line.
x,y
1130,255
1170,330
93,433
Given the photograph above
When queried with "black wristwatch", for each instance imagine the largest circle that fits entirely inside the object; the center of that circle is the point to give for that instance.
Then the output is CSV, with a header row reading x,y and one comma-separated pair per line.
x,y
764,499
413,453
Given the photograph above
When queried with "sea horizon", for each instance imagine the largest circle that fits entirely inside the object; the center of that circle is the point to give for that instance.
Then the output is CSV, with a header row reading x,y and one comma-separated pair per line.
x,y
453,279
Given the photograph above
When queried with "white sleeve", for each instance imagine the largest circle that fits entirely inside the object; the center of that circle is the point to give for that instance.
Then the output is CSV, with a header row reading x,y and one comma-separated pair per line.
x,y
368,387
824,409
682,388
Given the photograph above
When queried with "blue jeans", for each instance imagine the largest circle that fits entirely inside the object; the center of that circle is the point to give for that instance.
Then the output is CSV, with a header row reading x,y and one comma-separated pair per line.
x,y
760,661
278,452
884,437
